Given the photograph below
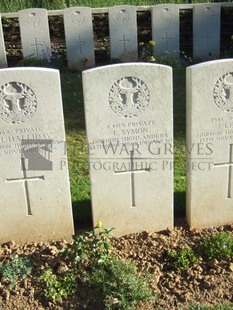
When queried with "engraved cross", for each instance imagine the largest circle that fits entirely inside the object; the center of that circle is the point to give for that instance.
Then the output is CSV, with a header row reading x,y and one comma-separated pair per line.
x,y
80,42
228,164
25,181
166,39
36,47
124,40
132,172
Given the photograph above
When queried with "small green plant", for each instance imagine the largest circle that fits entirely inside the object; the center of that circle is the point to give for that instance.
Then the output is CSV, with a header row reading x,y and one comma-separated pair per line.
x,y
91,247
146,51
17,269
119,284
116,281
58,286
182,258
218,246
169,61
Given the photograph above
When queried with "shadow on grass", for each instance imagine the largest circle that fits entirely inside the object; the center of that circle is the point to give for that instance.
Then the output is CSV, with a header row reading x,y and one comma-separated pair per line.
x,y
179,210
82,214
179,204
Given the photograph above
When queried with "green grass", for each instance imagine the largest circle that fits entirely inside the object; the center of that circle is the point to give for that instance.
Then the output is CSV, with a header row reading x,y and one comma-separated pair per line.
x,y
14,6
179,112
77,145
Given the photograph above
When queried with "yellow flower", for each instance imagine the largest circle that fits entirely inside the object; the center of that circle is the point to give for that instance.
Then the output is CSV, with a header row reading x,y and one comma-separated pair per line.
x,y
98,224
152,43
152,59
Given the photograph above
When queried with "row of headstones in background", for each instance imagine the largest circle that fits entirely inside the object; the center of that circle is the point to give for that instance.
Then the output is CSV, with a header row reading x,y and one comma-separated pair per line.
x,y
130,137
206,30
35,36
165,31
35,201
34,30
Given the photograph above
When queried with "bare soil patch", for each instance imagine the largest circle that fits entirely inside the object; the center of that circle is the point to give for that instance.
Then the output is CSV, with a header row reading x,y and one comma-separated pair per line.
x,y
208,282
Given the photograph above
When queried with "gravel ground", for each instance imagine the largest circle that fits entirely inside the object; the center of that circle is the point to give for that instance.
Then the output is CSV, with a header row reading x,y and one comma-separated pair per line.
x,y
208,282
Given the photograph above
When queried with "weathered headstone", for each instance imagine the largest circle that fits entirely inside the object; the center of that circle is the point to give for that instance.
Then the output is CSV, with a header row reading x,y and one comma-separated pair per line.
x,y
209,143
166,30
34,31
130,137
206,31
123,33
3,61
79,37
35,195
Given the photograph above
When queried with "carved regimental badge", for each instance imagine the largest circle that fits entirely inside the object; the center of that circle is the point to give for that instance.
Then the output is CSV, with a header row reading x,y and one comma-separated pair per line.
x,y
77,17
17,103
129,97
167,14
33,19
122,17
223,93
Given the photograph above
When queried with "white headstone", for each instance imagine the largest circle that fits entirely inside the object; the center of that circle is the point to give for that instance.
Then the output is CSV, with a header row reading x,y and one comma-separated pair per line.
x,y
123,33
206,31
35,194
34,31
166,30
210,143
3,60
128,110
79,37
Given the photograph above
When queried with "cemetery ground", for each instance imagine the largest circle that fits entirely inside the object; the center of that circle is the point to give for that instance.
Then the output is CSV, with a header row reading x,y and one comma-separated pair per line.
x,y
175,269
